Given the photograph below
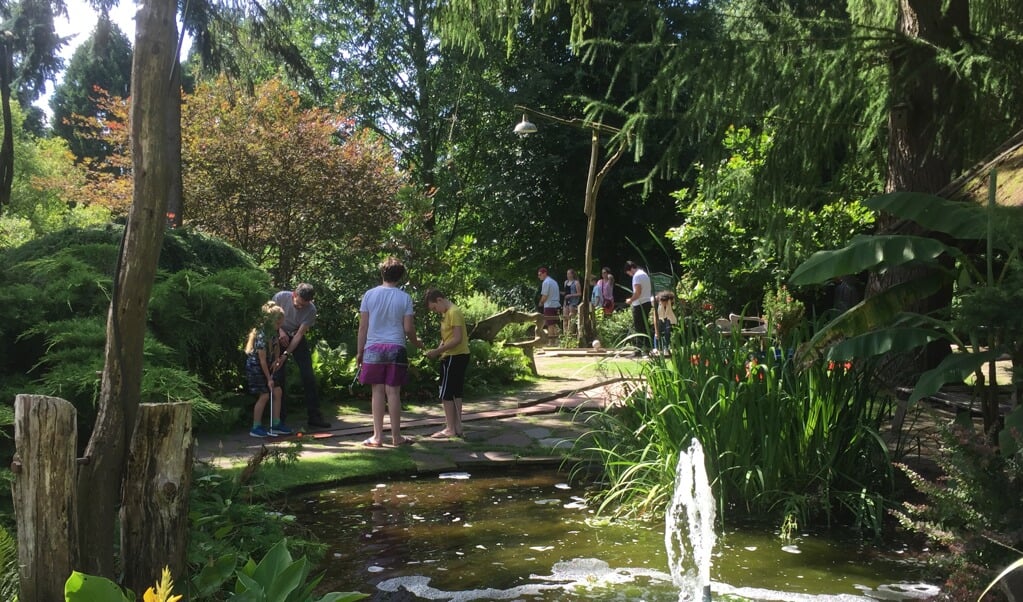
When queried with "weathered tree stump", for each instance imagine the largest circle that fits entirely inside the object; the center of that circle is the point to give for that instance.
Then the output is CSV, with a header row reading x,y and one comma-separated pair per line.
x,y
45,437
157,482
487,329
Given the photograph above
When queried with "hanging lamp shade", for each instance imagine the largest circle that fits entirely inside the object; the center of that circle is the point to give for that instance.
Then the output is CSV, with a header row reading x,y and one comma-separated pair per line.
x,y
525,127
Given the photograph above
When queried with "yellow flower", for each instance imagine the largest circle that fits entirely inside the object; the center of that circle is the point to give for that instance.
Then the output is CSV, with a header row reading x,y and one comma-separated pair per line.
x,y
163,590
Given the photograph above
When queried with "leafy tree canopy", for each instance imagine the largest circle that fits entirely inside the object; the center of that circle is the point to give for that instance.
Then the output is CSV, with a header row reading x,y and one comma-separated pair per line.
x,y
43,169
275,179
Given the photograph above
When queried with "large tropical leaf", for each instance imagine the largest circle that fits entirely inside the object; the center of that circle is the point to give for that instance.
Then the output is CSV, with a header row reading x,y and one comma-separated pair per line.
x,y
872,253
954,368
1009,437
880,342
1005,573
958,219
875,312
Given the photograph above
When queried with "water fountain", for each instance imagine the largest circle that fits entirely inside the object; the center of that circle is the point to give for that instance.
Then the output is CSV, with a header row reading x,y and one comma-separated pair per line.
x,y
689,526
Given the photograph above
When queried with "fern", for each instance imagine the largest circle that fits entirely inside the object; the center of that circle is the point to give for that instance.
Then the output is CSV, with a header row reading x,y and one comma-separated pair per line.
x,y
8,566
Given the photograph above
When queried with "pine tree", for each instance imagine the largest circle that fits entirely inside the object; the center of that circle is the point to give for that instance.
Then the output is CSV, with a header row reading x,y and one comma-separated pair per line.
x,y
104,62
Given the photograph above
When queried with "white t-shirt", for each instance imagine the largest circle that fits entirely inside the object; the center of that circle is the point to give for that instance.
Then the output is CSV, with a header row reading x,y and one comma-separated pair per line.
x,y
549,287
639,277
387,307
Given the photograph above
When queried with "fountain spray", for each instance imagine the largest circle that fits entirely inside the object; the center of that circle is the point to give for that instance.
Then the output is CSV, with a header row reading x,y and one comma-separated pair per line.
x,y
689,526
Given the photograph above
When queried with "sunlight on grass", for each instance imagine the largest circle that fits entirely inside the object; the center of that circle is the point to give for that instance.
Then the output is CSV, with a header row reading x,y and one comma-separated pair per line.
x,y
587,367
315,470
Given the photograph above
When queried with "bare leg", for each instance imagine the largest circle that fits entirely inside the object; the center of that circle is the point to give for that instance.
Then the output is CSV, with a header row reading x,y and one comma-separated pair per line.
x,y
394,410
257,410
453,415
378,403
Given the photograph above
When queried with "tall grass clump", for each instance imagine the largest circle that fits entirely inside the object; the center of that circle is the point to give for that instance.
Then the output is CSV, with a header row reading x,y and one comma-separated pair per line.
x,y
784,442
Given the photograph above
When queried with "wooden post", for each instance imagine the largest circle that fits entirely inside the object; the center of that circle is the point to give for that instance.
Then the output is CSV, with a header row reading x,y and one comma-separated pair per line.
x,y
158,479
45,438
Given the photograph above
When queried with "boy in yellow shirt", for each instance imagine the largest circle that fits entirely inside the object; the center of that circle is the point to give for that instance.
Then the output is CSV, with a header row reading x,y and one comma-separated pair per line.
x,y
453,352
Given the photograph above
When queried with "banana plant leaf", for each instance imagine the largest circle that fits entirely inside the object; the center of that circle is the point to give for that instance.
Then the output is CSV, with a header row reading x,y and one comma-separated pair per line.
x,y
880,342
868,253
874,313
956,218
1009,437
953,369
1005,573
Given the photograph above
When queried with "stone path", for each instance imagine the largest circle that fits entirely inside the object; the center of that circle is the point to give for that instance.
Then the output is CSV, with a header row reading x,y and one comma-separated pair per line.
x,y
536,425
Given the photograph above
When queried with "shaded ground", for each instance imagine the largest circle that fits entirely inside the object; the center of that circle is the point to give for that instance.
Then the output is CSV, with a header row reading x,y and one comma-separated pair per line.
x,y
535,424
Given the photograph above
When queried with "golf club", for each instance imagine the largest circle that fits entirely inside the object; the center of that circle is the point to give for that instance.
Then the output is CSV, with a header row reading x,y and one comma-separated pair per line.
x,y
271,430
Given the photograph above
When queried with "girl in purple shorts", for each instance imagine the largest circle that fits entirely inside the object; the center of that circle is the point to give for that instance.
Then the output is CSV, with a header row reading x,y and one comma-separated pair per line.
x,y
386,320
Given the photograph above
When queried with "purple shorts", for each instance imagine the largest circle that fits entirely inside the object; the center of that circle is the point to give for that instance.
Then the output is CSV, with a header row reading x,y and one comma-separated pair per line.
x,y
384,364
550,315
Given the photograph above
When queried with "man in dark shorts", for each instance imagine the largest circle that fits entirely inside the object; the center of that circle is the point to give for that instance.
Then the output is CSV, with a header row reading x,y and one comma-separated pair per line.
x,y
453,352
550,302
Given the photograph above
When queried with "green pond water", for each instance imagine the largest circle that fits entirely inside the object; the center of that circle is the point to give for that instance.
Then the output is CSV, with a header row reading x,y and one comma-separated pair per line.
x,y
531,536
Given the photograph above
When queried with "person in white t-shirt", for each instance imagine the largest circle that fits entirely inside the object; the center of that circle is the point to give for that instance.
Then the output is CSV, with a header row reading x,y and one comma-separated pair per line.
x,y
550,303
641,301
386,320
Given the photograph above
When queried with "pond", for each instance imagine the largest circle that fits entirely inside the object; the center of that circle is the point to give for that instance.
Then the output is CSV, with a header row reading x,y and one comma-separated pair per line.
x,y
530,536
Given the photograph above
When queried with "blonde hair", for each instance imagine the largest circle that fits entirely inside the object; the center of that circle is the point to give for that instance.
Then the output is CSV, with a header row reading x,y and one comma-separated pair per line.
x,y
662,311
272,316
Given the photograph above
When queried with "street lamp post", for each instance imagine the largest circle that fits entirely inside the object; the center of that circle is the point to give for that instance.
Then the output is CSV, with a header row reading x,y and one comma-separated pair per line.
x,y
594,177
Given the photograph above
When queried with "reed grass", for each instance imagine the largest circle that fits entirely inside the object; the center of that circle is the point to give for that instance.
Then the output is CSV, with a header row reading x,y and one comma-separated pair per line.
x,y
785,442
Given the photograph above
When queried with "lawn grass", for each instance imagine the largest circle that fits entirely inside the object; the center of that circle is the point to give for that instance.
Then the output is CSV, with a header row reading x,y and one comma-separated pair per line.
x,y
312,471
587,367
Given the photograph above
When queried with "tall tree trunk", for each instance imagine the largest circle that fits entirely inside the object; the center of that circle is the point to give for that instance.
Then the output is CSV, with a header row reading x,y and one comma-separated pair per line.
x,y
7,146
155,108
919,156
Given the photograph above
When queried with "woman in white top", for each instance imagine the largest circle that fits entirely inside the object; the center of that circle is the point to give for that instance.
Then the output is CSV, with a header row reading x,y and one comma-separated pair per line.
x,y
386,320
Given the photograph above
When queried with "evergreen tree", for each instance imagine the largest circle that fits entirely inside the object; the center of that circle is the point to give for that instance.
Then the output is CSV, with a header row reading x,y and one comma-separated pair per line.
x,y
28,59
103,61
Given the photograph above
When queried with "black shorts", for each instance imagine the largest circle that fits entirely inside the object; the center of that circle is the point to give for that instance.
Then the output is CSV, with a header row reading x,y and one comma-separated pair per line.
x,y
452,376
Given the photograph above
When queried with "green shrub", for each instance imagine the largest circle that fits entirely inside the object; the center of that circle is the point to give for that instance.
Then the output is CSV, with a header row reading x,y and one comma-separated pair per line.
x,y
184,306
53,311
613,330
335,367
493,365
972,512
476,307
229,517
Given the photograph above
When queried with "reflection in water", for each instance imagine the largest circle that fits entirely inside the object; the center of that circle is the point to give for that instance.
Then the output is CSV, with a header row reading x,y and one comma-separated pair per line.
x,y
530,536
